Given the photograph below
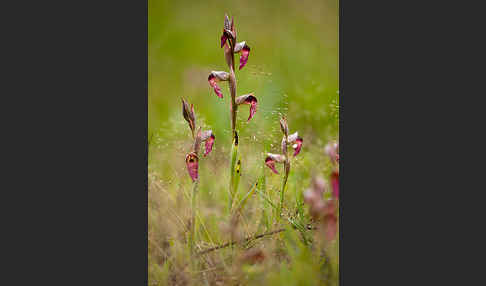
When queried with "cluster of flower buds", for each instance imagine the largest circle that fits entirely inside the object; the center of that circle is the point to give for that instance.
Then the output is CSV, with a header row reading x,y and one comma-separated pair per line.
x,y
229,35
293,140
324,212
231,47
192,158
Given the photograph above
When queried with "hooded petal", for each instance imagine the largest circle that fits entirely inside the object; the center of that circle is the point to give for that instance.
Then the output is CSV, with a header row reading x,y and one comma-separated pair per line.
x,y
248,99
192,163
293,137
245,52
209,144
297,146
271,164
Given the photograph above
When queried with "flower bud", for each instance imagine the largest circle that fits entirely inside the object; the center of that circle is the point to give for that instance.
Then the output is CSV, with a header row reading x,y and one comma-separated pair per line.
x,y
189,115
284,127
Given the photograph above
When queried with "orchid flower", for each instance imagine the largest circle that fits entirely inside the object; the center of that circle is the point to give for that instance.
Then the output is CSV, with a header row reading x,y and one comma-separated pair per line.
x,y
293,140
244,49
248,99
297,142
271,159
215,77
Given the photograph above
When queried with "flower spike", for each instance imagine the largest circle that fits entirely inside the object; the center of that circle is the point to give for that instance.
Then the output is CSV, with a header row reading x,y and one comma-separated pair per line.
x,y
248,99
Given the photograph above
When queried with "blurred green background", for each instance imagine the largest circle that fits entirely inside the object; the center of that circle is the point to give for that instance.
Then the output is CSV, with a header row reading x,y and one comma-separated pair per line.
x,y
292,68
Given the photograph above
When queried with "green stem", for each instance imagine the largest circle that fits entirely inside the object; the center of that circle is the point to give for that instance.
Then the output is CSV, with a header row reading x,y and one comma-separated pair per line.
x,y
193,216
284,184
285,177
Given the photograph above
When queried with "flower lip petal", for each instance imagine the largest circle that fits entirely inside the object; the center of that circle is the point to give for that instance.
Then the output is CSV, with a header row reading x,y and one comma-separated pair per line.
x,y
192,163
253,105
298,145
245,52
271,164
209,144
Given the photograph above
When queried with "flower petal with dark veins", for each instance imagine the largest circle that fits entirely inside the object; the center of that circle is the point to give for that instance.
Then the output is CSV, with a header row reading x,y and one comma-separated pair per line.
x,y
245,52
209,144
192,163
271,164
297,146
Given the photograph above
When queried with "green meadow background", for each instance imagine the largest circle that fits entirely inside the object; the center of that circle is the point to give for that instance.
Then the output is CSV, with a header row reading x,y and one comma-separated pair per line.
x,y
293,71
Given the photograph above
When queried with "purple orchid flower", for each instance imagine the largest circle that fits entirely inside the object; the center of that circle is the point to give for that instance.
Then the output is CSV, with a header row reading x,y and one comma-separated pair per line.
x,y
215,77
271,159
244,49
248,99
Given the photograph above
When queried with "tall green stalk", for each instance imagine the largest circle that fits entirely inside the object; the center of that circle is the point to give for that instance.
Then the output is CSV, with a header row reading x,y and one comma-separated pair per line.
x,y
192,236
